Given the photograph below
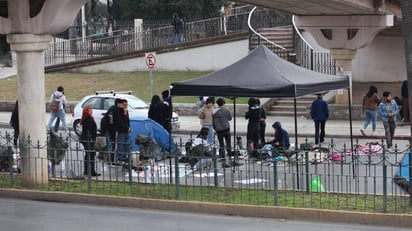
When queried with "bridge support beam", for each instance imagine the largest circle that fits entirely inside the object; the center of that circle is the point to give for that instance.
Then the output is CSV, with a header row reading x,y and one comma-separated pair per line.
x,y
29,50
28,26
343,35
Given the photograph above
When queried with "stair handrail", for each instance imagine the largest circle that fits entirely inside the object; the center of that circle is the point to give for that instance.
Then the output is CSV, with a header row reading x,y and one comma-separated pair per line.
x,y
257,33
298,32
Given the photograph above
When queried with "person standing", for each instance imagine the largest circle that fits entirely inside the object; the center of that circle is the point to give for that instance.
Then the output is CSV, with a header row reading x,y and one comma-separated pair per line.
x,y
178,26
221,118
370,104
14,122
107,129
59,113
320,113
262,122
122,128
206,119
253,126
168,107
405,101
158,112
388,110
88,139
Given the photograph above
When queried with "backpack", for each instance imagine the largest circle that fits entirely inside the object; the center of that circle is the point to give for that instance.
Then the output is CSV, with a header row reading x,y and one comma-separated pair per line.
x,y
106,122
54,104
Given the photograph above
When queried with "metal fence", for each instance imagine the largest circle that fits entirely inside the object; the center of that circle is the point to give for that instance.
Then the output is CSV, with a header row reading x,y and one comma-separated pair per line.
x,y
316,61
335,176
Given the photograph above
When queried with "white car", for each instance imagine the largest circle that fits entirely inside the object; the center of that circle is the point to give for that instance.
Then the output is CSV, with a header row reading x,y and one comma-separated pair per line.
x,y
101,102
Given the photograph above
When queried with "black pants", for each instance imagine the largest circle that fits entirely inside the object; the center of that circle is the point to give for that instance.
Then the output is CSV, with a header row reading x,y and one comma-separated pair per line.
x,y
89,158
262,133
319,127
224,138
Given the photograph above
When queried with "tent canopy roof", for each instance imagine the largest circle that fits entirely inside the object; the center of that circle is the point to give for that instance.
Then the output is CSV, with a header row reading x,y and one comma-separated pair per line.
x,y
260,74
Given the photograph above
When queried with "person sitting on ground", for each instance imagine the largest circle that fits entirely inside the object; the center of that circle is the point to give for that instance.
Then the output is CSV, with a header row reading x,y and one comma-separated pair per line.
x,y
200,150
280,142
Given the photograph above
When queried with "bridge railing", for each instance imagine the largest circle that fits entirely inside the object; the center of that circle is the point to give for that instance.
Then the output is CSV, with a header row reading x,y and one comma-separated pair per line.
x,y
63,51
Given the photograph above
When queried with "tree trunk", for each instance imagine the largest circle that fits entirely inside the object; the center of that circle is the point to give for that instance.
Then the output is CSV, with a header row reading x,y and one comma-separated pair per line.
x,y
406,7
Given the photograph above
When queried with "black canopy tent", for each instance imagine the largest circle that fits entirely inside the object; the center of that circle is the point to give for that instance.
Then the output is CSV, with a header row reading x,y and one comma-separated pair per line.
x,y
261,74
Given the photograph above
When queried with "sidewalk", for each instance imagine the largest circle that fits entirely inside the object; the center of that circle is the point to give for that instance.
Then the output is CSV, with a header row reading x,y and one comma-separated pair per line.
x,y
305,127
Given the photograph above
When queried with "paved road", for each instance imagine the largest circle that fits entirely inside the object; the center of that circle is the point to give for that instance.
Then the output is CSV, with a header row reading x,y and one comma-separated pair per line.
x,y
22,215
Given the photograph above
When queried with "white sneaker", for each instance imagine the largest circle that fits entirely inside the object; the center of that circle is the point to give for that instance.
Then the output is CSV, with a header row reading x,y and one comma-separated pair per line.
x,y
375,133
362,130
391,149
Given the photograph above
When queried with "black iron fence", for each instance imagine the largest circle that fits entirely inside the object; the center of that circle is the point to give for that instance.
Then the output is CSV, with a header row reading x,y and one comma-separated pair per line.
x,y
365,177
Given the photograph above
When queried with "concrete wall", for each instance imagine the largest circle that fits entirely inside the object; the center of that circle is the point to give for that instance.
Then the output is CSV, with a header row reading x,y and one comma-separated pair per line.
x,y
382,61
207,58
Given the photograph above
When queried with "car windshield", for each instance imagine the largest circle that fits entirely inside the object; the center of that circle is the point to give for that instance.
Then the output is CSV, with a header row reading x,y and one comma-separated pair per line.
x,y
136,103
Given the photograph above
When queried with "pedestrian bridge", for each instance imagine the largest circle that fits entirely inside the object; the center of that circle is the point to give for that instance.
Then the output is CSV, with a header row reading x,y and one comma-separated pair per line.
x,y
332,7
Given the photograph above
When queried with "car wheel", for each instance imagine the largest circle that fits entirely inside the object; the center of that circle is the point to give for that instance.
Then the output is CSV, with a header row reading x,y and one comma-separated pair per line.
x,y
77,127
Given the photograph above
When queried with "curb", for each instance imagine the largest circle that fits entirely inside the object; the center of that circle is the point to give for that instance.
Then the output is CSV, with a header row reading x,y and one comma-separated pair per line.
x,y
272,212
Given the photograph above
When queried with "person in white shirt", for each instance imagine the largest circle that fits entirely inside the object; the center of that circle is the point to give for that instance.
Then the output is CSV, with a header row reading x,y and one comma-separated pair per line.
x,y
60,113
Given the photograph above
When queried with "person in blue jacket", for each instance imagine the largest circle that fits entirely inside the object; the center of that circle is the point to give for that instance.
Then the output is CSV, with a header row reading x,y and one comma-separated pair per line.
x,y
320,113
388,110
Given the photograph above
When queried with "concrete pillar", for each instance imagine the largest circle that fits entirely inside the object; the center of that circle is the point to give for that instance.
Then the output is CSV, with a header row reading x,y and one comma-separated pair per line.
x,y
29,51
343,35
138,30
343,59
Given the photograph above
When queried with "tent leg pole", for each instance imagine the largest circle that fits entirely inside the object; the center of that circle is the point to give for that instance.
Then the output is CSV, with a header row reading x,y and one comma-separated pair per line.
x,y
351,131
296,143
235,155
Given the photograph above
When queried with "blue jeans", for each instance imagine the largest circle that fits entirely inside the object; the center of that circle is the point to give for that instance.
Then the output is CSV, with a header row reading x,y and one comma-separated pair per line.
x,y
122,147
370,116
177,36
58,114
211,134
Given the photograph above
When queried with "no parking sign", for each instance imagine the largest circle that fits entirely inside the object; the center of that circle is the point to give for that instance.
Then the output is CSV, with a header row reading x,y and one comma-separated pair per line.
x,y
151,65
150,60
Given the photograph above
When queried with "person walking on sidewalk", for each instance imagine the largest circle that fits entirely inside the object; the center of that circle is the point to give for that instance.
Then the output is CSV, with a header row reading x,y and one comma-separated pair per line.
x,y
320,113
178,27
59,113
369,107
388,110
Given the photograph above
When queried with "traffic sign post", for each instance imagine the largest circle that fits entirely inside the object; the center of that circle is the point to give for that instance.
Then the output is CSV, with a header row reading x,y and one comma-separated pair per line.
x,y
150,64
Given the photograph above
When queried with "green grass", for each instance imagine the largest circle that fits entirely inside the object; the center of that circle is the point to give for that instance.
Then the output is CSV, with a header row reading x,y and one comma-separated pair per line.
x,y
78,85
230,195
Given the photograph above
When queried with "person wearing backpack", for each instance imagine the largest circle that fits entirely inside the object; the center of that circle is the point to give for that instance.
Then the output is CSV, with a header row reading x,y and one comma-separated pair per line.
x,y
57,100
107,129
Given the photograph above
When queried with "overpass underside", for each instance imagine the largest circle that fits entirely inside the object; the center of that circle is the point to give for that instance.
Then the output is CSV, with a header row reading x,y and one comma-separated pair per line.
x,y
331,7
